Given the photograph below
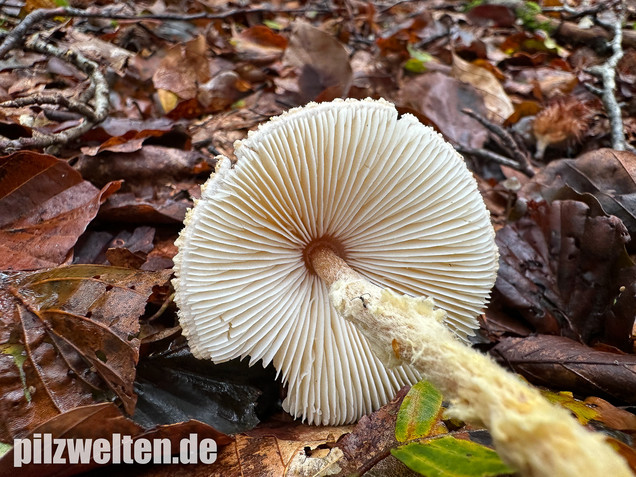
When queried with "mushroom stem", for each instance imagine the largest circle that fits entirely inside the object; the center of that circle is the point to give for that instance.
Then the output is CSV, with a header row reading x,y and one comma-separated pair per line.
x,y
329,266
531,434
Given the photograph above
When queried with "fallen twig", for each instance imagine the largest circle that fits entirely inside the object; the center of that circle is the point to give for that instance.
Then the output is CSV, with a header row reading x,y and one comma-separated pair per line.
x,y
519,159
93,114
607,73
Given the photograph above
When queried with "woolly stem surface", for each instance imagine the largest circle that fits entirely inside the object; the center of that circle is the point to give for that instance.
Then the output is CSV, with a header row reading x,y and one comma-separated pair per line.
x,y
531,434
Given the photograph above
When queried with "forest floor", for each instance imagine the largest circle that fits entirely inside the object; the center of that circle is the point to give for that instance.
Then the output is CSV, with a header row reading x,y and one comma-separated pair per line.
x,y
112,115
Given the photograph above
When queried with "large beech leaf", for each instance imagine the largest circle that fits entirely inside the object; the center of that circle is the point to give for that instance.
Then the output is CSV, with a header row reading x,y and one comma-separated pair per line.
x,y
562,269
451,457
419,411
45,206
322,62
440,99
608,175
67,337
557,361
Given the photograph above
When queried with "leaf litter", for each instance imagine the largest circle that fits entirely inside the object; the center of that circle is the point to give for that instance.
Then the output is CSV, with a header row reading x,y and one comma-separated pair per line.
x,y
181,92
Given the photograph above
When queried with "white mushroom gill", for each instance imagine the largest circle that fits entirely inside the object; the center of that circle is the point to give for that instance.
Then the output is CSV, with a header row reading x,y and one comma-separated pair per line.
x,y
388,195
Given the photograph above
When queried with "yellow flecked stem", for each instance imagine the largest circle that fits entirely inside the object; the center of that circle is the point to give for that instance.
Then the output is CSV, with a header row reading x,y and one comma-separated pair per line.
x,y
530,434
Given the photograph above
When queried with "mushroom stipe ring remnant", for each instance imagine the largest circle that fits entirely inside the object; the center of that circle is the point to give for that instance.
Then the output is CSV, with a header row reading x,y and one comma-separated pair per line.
x,y
321,192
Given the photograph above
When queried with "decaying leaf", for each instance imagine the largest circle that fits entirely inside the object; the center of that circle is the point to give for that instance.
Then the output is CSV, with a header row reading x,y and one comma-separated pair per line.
x,y
45,206
172,385
441,99
562,268
496,100
322,62
260,44
549,360
67,338
418,412
159,182
608,175
183,68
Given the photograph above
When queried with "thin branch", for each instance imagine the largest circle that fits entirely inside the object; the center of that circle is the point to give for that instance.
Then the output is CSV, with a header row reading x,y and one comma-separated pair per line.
x,y
99,99
520,160
493,157
56,99
607,73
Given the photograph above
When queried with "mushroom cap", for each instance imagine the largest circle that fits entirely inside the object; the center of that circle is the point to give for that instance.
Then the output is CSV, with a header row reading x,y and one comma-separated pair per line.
x,y
390,195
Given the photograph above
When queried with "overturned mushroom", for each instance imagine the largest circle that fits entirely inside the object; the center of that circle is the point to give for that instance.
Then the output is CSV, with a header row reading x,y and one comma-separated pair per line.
x,y
295,256
388,196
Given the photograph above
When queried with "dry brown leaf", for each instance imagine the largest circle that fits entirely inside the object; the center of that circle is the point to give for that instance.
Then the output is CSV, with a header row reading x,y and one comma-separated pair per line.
x,y
555,361
441,99
561,269
322,62
67,338
182,69
608,175
158,182
487,85
45,205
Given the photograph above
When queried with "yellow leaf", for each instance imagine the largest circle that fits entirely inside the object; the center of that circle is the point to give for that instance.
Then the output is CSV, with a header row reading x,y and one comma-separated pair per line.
x,y
168,100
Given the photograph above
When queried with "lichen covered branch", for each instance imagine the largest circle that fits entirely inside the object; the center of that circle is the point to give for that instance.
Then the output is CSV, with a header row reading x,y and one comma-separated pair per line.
x,y
607,73
93,105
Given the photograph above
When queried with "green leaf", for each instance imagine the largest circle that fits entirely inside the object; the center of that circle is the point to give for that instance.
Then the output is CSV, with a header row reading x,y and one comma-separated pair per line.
x,y
417,62
273,25
418,412
4,448
451,457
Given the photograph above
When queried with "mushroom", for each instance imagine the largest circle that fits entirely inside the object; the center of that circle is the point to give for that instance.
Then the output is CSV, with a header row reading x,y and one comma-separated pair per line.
x,y
326,249
346,179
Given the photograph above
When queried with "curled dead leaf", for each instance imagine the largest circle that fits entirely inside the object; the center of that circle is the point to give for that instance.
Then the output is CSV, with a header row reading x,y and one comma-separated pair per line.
x,y
45,206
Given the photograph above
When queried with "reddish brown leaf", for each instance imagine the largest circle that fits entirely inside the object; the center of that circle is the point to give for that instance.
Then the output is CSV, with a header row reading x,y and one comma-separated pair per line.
x,y
45,206
158,182
441,99
260,44
561,270
555,361
67,337
611,416
492,15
